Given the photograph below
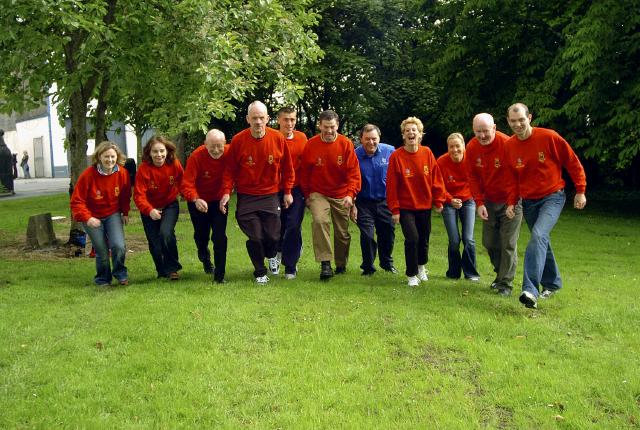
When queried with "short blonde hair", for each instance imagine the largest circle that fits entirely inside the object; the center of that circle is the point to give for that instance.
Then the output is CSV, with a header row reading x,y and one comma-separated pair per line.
x,y
412,120
104,147
456,135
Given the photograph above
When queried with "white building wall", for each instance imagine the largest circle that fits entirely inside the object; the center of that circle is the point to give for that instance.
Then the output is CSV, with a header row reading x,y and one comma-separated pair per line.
x,y
29,130
58,136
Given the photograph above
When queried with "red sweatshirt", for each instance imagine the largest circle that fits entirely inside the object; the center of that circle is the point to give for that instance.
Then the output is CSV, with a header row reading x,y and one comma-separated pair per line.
x,y
296,146
203,175
414,181
331,169
489,177
455,178
258,166
537,164
156,187
100,196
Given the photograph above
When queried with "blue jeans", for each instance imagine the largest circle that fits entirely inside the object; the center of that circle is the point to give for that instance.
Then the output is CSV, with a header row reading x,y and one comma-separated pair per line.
x,y
161,236
540,266
291,230
108,236
465,263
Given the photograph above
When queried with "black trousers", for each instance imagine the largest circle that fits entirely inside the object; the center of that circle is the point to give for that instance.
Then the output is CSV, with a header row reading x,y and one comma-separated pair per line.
x,y
259,218
416,228
210,225
374,219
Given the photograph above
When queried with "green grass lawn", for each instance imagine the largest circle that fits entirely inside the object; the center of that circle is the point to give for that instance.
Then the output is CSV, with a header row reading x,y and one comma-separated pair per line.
x,y
353,352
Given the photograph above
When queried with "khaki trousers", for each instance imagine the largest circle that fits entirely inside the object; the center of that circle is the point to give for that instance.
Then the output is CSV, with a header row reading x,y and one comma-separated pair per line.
x,y
323,207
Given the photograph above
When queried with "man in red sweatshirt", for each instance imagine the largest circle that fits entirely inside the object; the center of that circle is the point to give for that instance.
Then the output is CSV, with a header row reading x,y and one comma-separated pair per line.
x,y
259,164
491,185
202,189
330,179
536,158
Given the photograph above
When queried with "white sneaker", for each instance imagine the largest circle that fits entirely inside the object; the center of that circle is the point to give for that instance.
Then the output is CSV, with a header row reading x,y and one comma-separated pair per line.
x,y
422,273
289,276
274,265
262,280
413,281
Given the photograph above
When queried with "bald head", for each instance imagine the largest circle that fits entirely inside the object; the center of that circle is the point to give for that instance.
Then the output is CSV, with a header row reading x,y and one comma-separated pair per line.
x,y
214,141
257,118
484,128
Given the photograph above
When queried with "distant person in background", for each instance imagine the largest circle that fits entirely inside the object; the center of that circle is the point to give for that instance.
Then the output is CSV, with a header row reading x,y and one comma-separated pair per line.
x,y
24,164
414,187
156,192
14,162
370,211
536,157
6,166
202,188
290,244
130,165
101,202
458,205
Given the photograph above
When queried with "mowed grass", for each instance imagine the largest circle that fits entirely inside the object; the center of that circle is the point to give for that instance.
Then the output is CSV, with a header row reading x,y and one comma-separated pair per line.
x,y
353,352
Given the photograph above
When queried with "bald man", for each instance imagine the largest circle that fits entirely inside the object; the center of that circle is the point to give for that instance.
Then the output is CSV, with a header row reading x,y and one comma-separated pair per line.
x,y
202,188
259,164
491,186
537,156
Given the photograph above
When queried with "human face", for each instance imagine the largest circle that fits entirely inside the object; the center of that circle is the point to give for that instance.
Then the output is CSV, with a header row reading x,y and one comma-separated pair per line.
x,y
108,159
258,119
411,136
370,140
484,130
215,147
287,123
455,148
328,130
520,123
158,154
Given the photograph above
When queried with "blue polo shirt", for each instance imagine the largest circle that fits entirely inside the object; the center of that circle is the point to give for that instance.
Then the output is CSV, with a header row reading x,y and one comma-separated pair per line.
x,y
373,169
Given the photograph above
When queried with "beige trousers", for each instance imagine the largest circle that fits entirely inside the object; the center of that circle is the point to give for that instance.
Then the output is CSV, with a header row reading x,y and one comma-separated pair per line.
x,y
321,208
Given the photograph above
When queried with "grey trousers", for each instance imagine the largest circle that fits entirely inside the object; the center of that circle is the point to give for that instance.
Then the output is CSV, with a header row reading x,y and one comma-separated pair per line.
x,y
500,238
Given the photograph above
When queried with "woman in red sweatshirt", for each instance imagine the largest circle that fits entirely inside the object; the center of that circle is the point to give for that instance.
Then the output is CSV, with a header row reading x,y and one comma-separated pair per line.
x,y
157,187
414,186
101,202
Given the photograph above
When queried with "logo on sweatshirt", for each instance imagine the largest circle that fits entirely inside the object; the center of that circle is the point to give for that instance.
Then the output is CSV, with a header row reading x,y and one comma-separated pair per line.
x,y
426,170
172,180
153,185
319,161
99,195
479,162
519,164
339,160
270,160
496,163
451,179
206,174
117,191
408,173
541,157
250,161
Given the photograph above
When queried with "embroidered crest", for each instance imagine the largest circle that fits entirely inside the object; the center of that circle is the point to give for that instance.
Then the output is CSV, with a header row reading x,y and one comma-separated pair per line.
x,y
250,161
153,186
450,179
339,160
172,180
496,163
426,169
270,160
519,164
407,173
319,161
117,191
541,157
206,174
99,195
479,162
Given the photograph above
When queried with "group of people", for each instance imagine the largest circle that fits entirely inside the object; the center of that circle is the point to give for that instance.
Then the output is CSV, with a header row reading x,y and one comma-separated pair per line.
x,y
278,173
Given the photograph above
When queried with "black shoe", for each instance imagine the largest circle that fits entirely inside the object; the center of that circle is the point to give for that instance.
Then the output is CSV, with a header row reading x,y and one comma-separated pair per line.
x,y
218,278
368,272
340,270
528,299
505,292
326,272
494,284
207,266
391,269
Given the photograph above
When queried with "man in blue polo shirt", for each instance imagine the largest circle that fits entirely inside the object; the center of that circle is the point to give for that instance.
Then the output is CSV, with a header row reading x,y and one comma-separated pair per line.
x,y
371,210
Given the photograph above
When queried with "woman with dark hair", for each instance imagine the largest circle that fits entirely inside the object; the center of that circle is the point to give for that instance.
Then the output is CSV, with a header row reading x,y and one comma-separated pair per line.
x,y
155,193
101,202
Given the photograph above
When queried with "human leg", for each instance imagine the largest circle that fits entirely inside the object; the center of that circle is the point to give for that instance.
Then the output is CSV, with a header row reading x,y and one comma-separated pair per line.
x,y
467,215
320,227
341,236
292,236
167,231
450,218
201,228
410,232
152,232
115,237
386,233
218,222
99,241
366,225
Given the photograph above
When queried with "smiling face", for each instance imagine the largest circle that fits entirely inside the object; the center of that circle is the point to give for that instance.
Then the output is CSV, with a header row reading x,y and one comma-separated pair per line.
x,y
370,140
287,123
411,136
520,123
455,148
257,118
108,160
215,147
158,154
484,129
328,130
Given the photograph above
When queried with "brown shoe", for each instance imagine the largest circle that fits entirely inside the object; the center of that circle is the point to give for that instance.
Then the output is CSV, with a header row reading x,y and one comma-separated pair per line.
x,y
173,276
123,282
